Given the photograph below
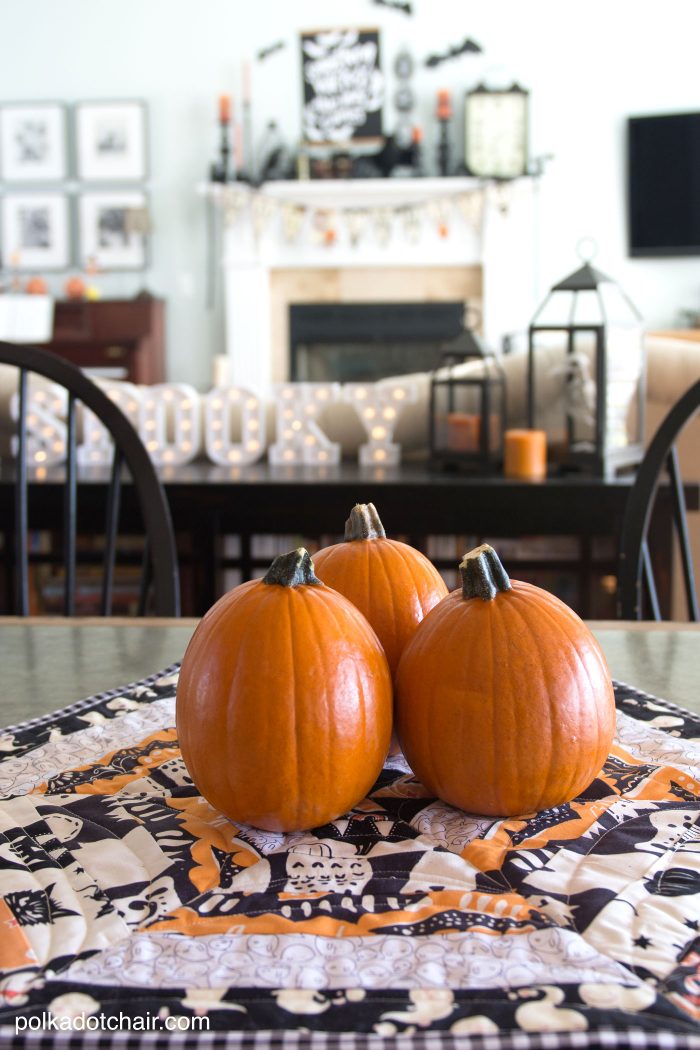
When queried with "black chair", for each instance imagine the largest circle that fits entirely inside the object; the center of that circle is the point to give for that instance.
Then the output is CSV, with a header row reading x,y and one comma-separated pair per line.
x,y
635,572
159,572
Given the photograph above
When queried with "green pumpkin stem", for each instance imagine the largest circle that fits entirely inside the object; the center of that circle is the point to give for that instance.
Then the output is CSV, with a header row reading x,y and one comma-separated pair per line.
x,y
483,576
364,523
292,570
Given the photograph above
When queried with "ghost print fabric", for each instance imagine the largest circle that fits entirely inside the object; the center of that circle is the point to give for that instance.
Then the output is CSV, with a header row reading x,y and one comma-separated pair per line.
x,y
123,892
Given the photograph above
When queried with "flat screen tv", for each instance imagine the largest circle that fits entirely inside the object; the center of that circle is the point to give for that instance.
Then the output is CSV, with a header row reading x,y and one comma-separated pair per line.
x,y
663,184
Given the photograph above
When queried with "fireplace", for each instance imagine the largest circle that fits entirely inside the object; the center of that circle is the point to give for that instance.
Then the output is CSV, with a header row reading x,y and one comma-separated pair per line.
x,y
270,271
363,342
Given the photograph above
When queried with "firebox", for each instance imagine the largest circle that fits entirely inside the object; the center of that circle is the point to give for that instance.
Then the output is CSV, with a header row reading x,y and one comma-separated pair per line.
x,y
363,342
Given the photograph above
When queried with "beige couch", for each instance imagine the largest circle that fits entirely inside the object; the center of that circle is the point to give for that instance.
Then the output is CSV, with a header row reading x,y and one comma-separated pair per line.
x,y
673,364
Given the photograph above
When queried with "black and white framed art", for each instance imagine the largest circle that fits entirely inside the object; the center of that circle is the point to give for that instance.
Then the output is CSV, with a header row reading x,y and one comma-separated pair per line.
x,y
36,231
33,144
110,141
113,228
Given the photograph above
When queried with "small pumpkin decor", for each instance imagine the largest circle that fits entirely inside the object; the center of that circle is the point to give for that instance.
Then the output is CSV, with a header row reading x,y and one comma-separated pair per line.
x,y
393,584
504,704
284,701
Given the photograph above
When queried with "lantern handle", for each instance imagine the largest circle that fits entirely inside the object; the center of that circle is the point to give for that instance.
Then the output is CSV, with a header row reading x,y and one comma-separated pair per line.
x,y
587,249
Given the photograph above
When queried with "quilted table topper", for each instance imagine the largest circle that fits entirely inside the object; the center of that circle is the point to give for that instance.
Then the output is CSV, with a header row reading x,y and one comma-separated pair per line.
x,y
123,893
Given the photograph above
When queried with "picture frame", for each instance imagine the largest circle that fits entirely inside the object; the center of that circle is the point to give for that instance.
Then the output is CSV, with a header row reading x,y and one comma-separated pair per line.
x,y
36,229
343,86
110,141
496,129
113,228
33,142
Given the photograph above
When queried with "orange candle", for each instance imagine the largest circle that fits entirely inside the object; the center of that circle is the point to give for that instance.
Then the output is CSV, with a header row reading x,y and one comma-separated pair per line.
x,y
224,109
463,431
525,454
444,105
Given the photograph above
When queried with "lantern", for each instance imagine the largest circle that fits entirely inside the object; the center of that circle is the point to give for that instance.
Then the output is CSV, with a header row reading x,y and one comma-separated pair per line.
x,y
586,374
467,407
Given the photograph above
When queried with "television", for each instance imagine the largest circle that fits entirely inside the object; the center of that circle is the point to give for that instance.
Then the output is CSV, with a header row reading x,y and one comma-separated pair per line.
x,y
663,184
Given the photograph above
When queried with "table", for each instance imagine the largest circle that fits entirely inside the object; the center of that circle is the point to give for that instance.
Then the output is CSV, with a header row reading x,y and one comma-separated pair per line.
x,y
49,662
209,502
415,926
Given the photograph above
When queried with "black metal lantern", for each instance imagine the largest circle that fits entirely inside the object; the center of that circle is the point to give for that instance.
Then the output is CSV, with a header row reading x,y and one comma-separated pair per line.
x,y
586,374
467,407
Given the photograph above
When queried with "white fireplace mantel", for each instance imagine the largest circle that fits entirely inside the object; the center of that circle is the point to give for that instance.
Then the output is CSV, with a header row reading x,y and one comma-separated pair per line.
x,y
403,235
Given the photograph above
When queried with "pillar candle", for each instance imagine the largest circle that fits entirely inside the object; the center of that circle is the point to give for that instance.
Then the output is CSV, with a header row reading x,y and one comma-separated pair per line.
x,y
463,431
525,454
224,109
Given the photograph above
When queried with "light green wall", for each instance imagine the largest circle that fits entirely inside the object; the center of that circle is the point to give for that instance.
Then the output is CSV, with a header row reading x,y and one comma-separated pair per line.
x,y
588,66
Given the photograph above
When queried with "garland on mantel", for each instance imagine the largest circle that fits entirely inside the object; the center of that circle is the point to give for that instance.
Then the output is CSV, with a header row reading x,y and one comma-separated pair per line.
x,y
323,225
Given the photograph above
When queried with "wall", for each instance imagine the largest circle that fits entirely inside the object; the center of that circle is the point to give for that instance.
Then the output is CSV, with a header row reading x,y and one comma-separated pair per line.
x,y
587,66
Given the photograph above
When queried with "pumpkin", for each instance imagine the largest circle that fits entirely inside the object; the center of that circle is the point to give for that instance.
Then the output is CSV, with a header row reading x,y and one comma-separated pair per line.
x,y
284,701
393,584
74,288
36,286
503,700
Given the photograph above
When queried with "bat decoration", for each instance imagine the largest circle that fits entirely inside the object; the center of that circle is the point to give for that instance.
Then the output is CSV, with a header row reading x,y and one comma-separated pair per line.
x,y
466,46
398,5
265,52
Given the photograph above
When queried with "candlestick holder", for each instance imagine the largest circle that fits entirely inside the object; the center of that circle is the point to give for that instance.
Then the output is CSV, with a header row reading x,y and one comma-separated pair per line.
x,y
221,169
247,173
225,150
443,114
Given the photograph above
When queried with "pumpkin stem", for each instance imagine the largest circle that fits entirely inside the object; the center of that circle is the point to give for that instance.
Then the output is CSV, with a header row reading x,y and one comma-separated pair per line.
x,y
364,523
483,576
292,569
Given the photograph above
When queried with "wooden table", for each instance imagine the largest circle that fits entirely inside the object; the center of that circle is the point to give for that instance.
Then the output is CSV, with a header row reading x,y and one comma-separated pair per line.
x,y
48,663
209,503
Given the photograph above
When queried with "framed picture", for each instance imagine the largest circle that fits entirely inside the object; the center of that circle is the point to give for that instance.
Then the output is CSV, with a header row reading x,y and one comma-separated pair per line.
x,y
111,140
113,229
35,231
343,86
496,132
33,142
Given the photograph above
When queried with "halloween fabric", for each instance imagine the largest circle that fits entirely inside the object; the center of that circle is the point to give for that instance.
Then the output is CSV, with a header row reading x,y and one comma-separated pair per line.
x,y
122,892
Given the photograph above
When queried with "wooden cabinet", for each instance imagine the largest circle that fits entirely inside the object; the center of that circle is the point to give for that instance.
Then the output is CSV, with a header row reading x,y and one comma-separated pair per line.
x,y
124,334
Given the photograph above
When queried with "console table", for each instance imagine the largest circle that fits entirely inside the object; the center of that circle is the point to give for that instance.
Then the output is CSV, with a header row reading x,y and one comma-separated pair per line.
x,y
127,334
309,505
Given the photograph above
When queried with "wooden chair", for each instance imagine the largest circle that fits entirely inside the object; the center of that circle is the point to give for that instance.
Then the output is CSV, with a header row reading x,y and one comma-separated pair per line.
x,y
159,571
635,573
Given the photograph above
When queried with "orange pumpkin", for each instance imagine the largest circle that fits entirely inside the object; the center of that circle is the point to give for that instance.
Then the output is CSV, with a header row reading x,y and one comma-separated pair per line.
x,y
284,701
74,288
393,584
504,703
36,286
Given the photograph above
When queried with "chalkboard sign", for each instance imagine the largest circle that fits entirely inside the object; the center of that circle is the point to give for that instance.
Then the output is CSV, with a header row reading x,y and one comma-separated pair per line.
x,y
343,85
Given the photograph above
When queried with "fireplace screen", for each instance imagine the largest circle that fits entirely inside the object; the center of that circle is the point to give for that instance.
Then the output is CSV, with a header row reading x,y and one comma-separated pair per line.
x,y
363,342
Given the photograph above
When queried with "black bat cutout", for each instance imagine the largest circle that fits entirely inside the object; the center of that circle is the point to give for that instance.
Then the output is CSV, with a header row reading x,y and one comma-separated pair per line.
x,y
467,45
265,52
397,5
